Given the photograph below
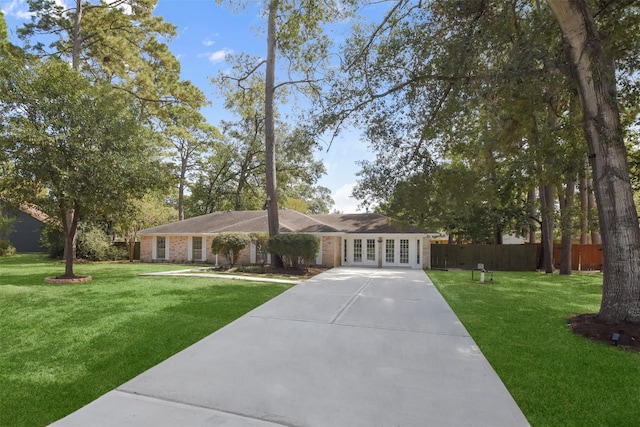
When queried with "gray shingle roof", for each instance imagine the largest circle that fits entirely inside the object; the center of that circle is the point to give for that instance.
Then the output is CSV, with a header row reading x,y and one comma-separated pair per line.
x,y
290,222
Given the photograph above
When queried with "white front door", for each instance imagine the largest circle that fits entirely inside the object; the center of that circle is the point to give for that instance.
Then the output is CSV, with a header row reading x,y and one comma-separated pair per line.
x,y
361,251
394,251
401,252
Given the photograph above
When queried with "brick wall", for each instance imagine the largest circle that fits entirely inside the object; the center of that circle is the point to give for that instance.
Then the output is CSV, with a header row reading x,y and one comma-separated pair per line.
x,y
178,248
330,251
146,248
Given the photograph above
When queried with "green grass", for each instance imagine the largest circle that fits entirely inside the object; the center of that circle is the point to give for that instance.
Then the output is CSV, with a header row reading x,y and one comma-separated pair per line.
x,y
62,346
556,377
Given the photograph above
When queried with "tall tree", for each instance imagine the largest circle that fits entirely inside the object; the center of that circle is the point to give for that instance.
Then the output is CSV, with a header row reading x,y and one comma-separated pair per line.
x,y
189,137
295,167
295,32
75,148
594,72
117,43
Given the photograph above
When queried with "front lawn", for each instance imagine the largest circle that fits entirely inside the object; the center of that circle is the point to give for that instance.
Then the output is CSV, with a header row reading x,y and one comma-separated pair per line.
x,y
63,346
556,377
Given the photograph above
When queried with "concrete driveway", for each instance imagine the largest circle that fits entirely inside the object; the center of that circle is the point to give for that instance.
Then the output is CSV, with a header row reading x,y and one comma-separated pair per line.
x,y
351,347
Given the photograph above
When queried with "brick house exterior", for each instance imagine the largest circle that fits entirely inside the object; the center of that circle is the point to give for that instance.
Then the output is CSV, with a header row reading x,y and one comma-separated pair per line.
x,y
366,239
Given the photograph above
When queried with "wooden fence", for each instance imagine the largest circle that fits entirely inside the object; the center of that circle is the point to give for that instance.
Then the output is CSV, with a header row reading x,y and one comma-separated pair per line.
x,y
583,257
511,257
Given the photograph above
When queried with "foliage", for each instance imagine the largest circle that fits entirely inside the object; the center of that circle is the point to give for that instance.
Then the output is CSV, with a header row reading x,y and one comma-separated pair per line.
x,y
189,138
485,83
115,42
471,103
140,213
73,146
235,178
3,28
295,33
52,240
230,244
76,343
94,244
296,250
6,248
556,377
112,45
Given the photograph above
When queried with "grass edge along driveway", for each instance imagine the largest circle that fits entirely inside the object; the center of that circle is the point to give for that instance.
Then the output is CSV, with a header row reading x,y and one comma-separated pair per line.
x,y
63,346
556,377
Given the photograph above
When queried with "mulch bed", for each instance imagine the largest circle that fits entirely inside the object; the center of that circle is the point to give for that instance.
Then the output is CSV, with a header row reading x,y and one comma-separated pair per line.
x,y
588,326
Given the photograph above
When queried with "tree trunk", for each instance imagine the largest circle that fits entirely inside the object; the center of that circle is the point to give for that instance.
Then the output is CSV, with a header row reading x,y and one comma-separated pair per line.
x,y
70,228
546,228
594,74
269,126
596,239
269,129
242,180
566,220
531,198
584,208
77,41
182,180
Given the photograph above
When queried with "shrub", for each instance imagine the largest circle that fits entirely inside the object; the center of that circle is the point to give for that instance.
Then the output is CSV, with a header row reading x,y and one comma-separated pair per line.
x,y
230,245
6,248
93,243
52,240
296,250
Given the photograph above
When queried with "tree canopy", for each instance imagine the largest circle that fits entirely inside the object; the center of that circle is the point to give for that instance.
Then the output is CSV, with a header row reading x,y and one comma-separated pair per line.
x,y
497,89
72,146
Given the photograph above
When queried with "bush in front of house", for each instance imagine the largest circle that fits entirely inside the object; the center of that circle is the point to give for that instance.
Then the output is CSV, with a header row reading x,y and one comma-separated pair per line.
x,y
230,245
95,244
296,250
6,248
52,240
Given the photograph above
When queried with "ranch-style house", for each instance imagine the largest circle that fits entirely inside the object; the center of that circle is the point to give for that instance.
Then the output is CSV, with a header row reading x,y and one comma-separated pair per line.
x,y
364,239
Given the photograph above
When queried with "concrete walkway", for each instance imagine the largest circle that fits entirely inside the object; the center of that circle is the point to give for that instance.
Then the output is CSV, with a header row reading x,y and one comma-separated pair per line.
x,y
348,348
192,273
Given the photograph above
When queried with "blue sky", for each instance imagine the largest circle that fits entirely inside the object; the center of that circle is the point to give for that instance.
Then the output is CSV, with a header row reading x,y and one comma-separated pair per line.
x,y
206,32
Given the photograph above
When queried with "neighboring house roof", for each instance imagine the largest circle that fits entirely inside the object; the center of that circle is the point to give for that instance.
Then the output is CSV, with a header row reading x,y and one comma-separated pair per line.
x,y
36,213
290,222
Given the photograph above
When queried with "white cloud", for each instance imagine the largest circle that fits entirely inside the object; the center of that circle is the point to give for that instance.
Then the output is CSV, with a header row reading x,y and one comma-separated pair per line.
x,y
208,42
15,8
218,55
20,8
343,200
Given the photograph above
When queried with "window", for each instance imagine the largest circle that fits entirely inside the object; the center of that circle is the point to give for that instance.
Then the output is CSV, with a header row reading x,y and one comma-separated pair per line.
x,y
390,251
196,248
345,251
357,250
418,251
161,246
371,249
404,251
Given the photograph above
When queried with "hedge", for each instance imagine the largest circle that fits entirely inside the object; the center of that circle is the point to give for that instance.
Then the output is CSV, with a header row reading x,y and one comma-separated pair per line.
x,y
296,250
230,245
